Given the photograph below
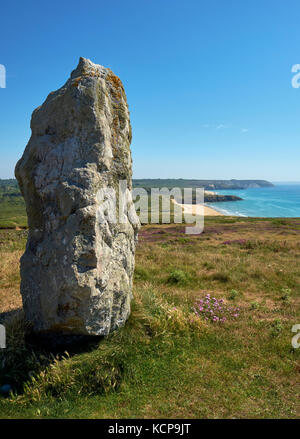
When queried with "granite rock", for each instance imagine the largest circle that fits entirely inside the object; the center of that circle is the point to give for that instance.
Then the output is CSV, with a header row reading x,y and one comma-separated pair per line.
x,y
77,270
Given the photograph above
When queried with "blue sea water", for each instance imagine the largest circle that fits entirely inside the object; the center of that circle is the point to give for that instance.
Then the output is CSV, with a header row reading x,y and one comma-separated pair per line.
x,y
282,200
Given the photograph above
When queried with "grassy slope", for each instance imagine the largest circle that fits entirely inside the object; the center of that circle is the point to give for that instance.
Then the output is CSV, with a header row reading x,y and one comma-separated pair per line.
x,y
12,205
14,210
165,362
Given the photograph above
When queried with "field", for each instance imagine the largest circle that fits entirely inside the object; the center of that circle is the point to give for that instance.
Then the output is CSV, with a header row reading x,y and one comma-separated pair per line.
x,y
168,362
12,205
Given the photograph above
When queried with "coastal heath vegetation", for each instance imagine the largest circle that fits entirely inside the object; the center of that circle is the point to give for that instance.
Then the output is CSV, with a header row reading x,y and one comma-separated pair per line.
x,y
170,360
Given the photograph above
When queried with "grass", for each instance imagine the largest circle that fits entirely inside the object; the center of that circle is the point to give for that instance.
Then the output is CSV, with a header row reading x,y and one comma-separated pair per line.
x,y
13,214
167,362
12,211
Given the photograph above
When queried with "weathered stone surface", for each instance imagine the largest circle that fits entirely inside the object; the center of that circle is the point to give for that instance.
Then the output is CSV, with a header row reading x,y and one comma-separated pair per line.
x,y
76,272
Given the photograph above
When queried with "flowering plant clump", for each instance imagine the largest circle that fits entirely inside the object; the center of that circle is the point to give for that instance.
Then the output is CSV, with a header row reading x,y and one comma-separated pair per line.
x,y
215,310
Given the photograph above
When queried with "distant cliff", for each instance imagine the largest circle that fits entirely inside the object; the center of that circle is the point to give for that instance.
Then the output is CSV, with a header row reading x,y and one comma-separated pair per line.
x,y
147,183
9,188
206,184
236,184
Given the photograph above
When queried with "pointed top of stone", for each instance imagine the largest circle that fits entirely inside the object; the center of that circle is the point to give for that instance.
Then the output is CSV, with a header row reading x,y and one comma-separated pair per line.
x,y
86,67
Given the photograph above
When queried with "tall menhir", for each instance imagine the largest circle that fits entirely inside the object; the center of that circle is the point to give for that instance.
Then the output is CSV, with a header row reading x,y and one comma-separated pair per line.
x,y
77,271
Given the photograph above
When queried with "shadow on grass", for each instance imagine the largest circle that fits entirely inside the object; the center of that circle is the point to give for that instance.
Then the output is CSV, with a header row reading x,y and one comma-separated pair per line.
x,y
7,315
26,353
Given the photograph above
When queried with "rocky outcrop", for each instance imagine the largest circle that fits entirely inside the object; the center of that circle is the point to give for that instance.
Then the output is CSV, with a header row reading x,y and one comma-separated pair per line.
x,y
77,270
212,197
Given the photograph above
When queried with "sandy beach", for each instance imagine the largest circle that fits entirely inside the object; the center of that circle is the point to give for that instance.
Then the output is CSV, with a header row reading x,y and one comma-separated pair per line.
x,y
191,209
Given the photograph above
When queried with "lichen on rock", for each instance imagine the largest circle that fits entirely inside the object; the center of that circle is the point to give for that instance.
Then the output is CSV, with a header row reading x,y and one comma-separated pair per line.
x,y
76,272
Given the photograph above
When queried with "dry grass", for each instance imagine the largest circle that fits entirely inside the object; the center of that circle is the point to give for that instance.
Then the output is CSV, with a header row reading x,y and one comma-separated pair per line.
x,y
10,298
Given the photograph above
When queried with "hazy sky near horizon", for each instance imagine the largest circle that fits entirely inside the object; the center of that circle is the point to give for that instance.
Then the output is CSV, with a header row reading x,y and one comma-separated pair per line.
x,y
208,82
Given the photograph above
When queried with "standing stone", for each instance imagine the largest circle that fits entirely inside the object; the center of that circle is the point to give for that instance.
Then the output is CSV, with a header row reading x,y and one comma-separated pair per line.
x,y
77,270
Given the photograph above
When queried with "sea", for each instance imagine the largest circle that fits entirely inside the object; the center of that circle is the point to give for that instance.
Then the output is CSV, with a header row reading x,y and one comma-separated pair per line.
x,y
280,201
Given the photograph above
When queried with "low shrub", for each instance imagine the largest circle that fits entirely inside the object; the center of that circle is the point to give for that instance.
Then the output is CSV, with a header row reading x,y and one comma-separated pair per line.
x,y
178,277
286,294
254,305
276,328
233,294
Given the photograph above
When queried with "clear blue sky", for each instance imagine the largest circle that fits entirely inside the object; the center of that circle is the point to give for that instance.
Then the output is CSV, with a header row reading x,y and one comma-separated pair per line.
x,y
208,81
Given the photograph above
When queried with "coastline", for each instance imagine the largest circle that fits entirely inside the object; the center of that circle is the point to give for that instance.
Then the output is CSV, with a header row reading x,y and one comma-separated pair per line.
x,y
191,209
209,211
279,201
